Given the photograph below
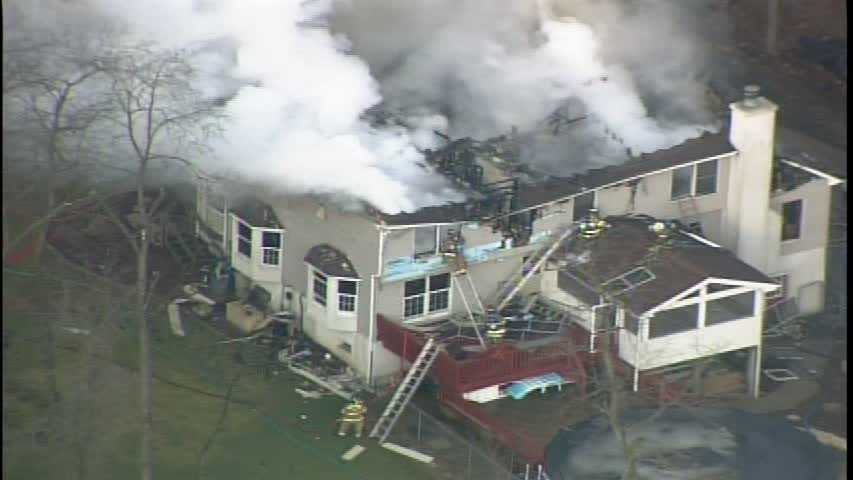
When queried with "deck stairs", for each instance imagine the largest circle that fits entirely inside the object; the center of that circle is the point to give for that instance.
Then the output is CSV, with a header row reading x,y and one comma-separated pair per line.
x,y
406,390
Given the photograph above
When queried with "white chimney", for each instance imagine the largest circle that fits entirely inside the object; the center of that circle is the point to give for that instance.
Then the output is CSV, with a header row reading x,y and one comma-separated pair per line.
x,y
753,126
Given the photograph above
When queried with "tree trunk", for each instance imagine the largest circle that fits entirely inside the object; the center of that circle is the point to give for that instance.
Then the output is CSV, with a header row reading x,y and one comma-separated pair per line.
x,y
145,366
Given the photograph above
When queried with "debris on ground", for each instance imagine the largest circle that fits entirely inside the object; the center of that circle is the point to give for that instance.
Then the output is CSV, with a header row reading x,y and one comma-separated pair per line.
x,y
313,394
408,452
352,453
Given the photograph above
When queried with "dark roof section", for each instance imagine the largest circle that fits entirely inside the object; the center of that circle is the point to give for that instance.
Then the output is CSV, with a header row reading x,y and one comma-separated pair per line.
x,y
331,261
255,212
679,264
555,188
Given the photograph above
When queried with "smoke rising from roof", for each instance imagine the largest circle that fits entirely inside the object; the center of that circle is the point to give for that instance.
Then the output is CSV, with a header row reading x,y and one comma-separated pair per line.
x,y
633,67
299,76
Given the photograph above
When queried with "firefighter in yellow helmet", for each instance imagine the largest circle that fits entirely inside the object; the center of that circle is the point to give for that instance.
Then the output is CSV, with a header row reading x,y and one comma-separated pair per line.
x,y
352,417
495,326
592,225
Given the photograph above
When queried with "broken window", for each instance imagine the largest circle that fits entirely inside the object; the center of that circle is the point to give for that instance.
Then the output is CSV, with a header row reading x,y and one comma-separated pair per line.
x,y
734,307
271,247
425,239
792,217
320,288
582,205
675,320
431,294
347,294
244,238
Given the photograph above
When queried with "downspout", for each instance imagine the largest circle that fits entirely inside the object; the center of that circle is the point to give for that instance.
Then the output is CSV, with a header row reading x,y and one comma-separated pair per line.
x,y
371,331
225,226
640,330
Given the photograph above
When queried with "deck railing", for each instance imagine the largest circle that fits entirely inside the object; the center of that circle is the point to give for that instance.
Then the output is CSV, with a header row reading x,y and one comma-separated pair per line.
x,y
499,364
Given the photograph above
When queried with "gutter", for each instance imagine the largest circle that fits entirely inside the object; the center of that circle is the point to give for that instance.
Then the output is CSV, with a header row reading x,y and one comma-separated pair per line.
x,y
832,180
584,192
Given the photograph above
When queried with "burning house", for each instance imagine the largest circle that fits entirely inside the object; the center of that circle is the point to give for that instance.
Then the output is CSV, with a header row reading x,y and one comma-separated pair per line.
x,y
687,246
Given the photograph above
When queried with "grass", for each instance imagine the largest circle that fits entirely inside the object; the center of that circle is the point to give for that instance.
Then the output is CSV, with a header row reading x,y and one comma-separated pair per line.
x,y
262,436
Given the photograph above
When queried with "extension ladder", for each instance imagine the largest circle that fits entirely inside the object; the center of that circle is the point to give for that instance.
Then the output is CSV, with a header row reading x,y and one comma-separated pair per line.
x,y
517,281
406,390
460,279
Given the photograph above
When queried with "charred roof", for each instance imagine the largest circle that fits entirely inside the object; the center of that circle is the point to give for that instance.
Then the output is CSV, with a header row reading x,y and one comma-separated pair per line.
x,y
556,188
331,261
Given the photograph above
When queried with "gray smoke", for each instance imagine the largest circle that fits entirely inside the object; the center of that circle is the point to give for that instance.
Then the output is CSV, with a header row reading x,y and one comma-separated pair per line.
x,y
634,69
297,78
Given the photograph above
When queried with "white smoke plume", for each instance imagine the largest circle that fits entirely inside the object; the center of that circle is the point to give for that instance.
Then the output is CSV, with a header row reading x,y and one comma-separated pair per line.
x,y
300,75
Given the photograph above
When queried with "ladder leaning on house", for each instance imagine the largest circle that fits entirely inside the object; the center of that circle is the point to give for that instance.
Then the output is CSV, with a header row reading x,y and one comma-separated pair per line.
x,y
416,374
516,282
689,211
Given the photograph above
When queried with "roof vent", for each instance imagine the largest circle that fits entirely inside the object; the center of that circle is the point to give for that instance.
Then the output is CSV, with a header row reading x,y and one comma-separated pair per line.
x,y
750,95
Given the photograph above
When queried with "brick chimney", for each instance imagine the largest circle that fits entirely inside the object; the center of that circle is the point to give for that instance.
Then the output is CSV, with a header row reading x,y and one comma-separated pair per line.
x,y
753,126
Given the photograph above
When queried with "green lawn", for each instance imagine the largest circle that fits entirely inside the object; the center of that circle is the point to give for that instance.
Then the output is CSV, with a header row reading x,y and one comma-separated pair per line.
x,y
262,437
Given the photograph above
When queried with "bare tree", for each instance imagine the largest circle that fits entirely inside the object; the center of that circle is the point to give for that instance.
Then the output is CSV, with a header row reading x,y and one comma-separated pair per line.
x,y
50,99
160,117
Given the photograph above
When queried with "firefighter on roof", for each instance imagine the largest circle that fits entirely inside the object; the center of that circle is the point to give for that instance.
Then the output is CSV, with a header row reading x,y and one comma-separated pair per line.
x,y
352,417
592,225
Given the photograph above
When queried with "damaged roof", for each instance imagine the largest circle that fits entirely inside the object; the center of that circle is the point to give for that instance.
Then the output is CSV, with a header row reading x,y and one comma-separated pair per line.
x,y
331,261
557,188
671,266
255,213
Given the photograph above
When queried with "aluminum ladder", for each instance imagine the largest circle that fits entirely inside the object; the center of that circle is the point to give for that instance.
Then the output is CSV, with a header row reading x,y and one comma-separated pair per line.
x,y
517,281
689,211
460,279
406,390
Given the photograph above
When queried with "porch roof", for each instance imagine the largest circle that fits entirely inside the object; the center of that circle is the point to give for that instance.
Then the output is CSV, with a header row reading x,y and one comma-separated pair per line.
x,y
671,266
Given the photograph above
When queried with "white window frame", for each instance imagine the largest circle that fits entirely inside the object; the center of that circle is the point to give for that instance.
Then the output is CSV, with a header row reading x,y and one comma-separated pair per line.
x,y
242,238
318,275
348,296
694,177
269,250
427,298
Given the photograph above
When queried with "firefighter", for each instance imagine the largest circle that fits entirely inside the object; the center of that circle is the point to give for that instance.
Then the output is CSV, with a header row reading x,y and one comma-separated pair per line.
x,y
352,417
592,225
495,326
